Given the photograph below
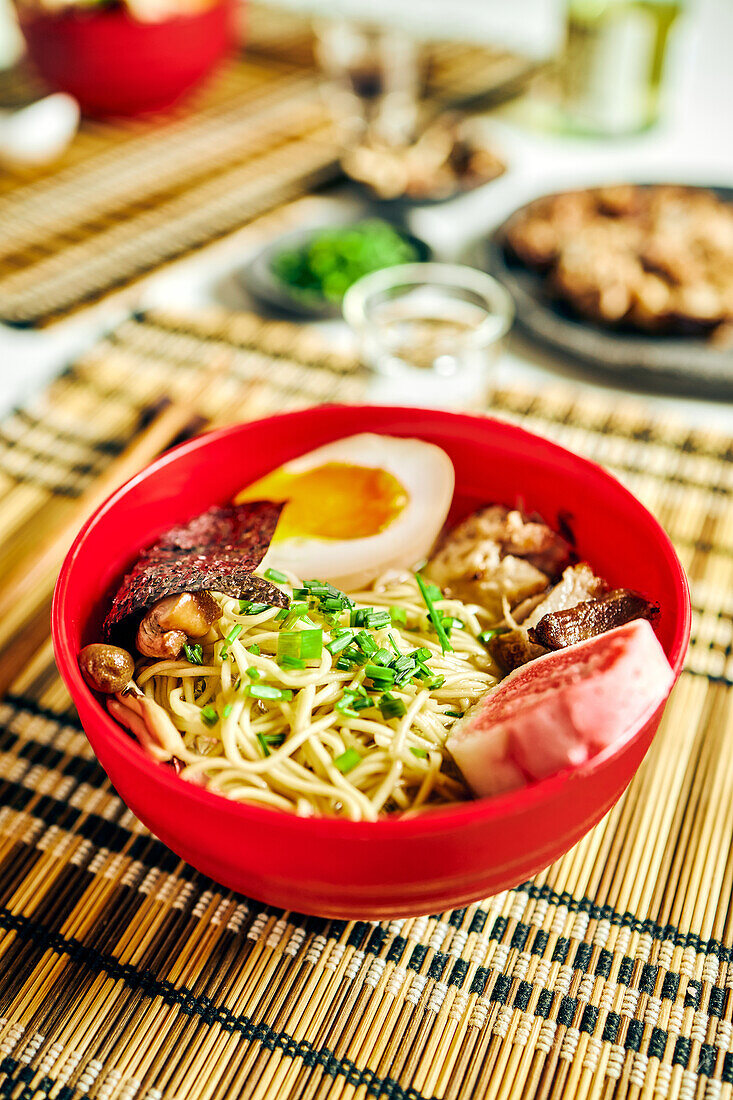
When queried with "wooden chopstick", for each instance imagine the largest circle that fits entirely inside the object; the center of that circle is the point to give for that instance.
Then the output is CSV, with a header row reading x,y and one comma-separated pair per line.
x,y
28,588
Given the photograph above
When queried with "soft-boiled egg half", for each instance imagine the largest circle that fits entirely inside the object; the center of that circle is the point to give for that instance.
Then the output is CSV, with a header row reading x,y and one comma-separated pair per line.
x,y
356,508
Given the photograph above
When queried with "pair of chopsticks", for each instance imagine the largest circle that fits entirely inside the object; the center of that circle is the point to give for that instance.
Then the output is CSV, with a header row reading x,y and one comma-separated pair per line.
x,y
27,590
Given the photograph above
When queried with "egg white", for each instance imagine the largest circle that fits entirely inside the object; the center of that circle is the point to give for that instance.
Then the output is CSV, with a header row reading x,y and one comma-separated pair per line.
x,y
427,476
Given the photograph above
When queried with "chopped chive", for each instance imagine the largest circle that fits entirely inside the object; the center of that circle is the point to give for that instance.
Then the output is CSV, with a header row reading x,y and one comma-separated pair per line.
x,y
340,642
209,716
382,656
345,707
433,591
227,710
379,674
453,713
247,607
486,635
254,649
391,707
449,622
422,654
194,654
231,637
282,614
268,691
398,615
366,642
394,645
358,617
291,662
420,753
254,673
433,614
436,682
347,761
306,644
377,620
267,739
275,576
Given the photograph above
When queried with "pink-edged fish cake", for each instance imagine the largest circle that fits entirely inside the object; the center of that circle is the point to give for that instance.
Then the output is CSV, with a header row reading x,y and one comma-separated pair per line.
x,y
560,709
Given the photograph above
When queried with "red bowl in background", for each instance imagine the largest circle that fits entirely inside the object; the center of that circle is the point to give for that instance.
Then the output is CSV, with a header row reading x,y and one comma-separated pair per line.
x,y
445,858
116,65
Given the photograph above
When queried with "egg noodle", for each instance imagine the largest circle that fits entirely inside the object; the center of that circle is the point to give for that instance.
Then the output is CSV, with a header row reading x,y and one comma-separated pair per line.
x,y
338,706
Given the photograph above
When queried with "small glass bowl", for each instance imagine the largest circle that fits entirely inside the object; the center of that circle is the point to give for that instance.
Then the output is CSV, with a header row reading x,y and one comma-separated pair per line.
x,y
433,330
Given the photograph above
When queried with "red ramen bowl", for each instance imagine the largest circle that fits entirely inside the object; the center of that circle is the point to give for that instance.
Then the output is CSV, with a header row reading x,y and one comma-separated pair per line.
x,y
116,65
452,855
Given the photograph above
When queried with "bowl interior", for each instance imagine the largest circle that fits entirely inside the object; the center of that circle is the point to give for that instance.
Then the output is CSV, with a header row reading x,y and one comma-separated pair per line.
x,y
494,462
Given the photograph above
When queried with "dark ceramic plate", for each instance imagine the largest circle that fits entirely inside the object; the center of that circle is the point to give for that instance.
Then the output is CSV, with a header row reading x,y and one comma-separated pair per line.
x,y
685,364
258,278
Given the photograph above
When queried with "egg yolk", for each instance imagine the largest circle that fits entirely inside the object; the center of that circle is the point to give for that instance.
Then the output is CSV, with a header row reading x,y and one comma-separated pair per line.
x,y
333,501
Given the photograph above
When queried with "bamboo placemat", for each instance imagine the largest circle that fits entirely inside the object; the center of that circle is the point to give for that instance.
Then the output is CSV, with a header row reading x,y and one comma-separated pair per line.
x,y
129,196
125,975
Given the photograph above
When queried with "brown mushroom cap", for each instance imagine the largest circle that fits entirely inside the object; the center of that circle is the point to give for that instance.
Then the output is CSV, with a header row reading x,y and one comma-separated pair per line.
x,y
106,668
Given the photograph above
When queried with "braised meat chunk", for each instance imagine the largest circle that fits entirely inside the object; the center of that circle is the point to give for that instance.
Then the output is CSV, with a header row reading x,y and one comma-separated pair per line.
x,y
585,620
497,554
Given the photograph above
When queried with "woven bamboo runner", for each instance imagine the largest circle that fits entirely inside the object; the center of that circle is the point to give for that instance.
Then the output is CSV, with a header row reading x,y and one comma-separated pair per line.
x,y
126,975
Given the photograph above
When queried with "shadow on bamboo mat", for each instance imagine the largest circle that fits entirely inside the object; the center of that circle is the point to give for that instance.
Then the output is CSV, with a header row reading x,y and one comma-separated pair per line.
x,y
125,974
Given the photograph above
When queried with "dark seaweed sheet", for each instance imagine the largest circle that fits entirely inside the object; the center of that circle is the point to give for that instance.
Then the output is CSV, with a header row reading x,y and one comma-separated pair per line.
x,y
218,550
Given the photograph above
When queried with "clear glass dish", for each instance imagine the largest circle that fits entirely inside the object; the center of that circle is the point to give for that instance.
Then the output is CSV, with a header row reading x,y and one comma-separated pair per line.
x,y
432,330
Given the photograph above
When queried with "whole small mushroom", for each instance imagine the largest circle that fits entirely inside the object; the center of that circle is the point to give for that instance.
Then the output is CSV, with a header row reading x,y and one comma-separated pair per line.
x,y
106,668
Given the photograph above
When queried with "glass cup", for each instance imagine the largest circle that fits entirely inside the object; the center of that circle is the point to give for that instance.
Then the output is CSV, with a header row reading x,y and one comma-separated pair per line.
x,y
431,331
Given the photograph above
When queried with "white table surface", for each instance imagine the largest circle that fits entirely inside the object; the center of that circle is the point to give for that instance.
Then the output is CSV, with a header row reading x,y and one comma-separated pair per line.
x,y
693,144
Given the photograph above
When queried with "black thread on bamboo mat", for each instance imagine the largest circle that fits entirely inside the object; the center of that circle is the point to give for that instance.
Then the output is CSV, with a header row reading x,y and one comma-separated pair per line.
x,y
634,1033
107,447
706,1060
657,1043
544,1003
396,949
716,1001
522,996
625,970
589,1019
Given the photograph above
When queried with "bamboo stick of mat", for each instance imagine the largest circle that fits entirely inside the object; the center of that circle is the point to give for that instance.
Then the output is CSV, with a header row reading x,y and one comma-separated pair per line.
x,y
29,588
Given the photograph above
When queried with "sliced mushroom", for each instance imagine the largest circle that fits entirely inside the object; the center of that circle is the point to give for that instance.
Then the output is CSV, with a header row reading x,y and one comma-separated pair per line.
x,y
106,668
169,624
149,723
590,618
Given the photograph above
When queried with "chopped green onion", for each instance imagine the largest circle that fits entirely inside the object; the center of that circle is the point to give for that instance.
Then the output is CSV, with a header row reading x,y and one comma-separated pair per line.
x,y
358,617
382,657
306,644
282,614
394,645
398,615
227,710
379,674
433,614
209,716
345,706
231,637
436,682
301,593
247,607
275,576
366,643
422,654
237,683
433,592
254,649
194,654
339,642
267,691
347,760
487,635
449,622
377,620
267,739
291,662
420,753
391,707
254,673
453,713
